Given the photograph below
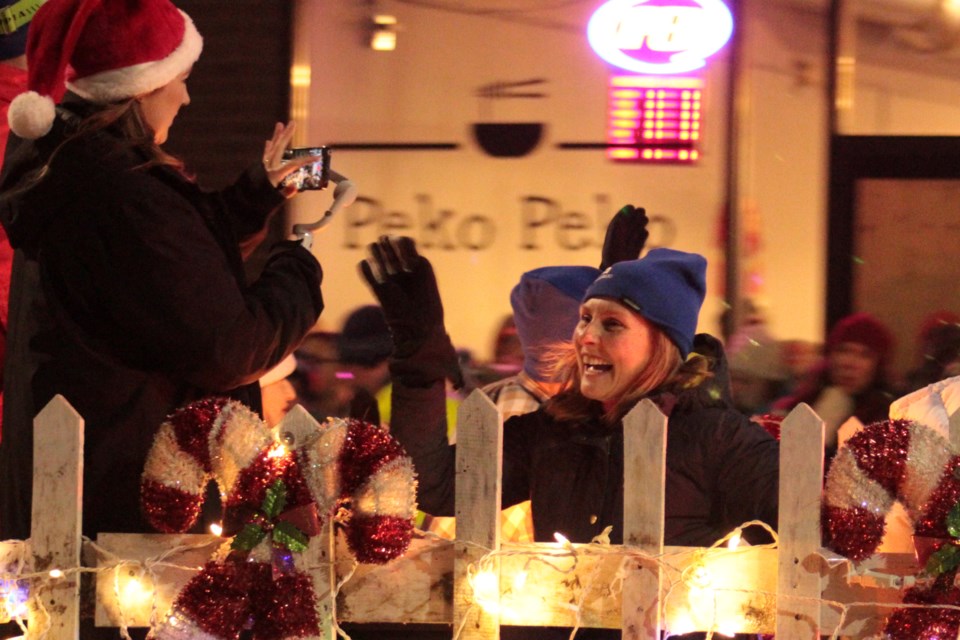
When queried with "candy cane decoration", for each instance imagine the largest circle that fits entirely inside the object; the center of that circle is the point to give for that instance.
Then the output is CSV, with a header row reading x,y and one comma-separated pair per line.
x,y
888,461
906,461
278,487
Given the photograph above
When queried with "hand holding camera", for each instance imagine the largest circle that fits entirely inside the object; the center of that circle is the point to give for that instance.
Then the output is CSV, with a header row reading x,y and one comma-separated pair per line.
x,y
294,170
304,169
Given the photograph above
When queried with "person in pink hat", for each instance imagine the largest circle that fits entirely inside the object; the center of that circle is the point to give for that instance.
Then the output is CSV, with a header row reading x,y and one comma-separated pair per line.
x,y
134,300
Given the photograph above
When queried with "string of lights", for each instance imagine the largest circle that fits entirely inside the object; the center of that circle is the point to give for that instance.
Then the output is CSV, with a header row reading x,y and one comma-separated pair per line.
x,y
134,580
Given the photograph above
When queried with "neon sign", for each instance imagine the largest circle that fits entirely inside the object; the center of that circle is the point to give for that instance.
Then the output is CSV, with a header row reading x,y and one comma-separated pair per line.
x,y
659,36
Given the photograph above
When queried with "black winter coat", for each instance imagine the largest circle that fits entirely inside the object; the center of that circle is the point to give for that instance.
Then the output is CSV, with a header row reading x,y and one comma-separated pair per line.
x,y
722,469
129,299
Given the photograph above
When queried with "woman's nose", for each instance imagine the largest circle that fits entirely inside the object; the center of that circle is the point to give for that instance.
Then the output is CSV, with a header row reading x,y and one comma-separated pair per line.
x,y
588,333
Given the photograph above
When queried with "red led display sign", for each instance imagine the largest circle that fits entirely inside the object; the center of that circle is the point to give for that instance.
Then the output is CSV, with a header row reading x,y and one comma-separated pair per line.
x,y
654,119
654,114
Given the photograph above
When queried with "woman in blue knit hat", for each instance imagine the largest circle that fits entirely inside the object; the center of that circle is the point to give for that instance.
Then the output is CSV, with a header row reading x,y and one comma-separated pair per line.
x,y
635,339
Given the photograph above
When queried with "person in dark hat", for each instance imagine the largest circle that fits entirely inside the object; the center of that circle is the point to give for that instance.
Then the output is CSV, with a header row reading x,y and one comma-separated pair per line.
x,y
140,299
365,339
939,350
546,308
851,381
363,346
635,339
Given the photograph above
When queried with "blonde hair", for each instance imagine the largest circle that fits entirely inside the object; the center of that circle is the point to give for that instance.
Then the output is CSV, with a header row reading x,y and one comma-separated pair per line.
x,y
665,369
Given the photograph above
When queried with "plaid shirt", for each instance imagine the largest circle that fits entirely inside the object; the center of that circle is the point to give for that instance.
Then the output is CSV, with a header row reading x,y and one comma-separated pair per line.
x,y
514,396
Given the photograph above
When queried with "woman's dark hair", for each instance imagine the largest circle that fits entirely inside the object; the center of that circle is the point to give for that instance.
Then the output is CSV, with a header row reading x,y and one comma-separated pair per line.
x,y
126,117
665,370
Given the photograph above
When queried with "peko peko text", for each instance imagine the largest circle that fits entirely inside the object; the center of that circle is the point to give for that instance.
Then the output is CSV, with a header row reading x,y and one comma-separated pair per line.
x,y
542,221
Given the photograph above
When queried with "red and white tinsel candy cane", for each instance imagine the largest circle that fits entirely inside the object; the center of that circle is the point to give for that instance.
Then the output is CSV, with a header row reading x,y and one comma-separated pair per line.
x,y
888,461
906,461
360,473
212,438
343,469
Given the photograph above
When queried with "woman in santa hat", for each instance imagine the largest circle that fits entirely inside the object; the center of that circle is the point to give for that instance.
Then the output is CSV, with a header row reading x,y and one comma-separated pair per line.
x,y
140,304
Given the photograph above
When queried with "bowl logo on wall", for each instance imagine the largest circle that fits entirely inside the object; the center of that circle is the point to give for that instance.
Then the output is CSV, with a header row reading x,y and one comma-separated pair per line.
x,y
659,36
508,139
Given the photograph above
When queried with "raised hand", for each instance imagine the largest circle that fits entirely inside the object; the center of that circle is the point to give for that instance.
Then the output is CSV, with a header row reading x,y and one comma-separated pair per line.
x,y
406,287
626,235
277,168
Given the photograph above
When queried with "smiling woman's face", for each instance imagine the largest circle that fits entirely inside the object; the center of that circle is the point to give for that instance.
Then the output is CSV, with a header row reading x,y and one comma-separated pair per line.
x,y
613,345
161,106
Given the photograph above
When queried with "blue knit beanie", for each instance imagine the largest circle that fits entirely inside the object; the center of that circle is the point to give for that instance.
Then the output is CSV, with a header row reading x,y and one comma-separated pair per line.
x,y
546,309
666,287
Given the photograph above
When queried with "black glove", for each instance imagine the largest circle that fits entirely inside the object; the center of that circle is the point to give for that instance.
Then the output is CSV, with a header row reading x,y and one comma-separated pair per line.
x,y
404,284
626,235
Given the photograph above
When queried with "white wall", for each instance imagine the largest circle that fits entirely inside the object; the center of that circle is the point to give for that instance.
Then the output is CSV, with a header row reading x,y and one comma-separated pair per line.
x,y
785,165
425,92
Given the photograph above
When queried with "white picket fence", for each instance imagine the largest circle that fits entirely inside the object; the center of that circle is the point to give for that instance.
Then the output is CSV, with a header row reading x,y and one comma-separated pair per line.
x,y
795,589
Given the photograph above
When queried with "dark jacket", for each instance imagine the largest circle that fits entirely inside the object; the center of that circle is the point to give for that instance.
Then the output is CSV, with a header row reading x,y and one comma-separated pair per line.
x,y
130,300
722,469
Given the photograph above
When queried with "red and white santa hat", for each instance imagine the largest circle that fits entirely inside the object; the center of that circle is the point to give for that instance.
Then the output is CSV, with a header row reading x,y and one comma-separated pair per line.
x,y
102,50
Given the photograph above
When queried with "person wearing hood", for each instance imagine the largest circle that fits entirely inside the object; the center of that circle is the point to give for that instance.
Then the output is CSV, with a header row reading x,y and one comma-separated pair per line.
x,y
635,339
131,298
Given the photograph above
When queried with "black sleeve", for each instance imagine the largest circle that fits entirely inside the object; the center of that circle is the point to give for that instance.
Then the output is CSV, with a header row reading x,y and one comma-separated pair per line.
x,y
245,205
519,433
747,470
146,280
418,420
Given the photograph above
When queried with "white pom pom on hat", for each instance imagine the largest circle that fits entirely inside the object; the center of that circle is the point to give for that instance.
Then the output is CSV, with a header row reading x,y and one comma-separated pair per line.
x,y
31,115
151,43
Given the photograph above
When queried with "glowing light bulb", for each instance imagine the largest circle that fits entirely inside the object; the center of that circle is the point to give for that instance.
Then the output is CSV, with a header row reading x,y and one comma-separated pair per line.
x,y
486,591
134,592
56,573
216,529
519,580
13,601
559,537
734,541
277,451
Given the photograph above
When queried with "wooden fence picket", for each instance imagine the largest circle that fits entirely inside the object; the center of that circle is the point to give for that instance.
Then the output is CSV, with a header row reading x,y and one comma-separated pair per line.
x,y
801,481
645,468
55,536
479,465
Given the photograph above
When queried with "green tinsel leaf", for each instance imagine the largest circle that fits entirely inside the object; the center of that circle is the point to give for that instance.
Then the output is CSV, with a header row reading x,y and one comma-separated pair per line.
x,y
953,521
287,534
946,558
275,499
249,537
